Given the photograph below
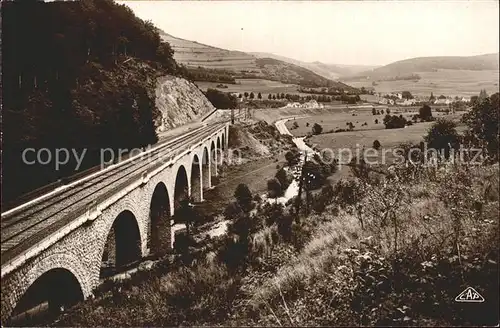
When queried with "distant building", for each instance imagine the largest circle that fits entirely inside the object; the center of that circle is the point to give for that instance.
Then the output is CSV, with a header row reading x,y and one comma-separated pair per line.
x,y
465,99
443,101
406,102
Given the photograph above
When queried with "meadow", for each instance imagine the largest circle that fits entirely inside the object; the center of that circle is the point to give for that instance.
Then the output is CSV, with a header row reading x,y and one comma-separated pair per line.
x,y
263,86
445,82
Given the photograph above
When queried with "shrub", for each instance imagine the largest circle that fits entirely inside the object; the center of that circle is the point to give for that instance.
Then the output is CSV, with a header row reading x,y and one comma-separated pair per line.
x,y
376,144
348,192
284,225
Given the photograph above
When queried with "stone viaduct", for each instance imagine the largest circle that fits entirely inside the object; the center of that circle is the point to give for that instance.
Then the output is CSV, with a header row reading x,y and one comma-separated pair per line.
x,y
134,223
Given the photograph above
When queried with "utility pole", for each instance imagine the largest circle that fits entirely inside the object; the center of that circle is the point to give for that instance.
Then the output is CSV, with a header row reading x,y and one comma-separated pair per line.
x,y
232,115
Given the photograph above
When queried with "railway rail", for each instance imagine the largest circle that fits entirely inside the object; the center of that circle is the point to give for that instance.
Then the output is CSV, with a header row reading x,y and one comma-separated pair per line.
x,y
30,223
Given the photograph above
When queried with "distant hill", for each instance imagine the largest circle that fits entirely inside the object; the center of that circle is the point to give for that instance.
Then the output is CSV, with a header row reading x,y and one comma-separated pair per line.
x,y
405,69
329,71
243,65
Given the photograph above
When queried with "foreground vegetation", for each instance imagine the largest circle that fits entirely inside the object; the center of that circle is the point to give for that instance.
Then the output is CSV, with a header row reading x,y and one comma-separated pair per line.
x,y
390,246
380,253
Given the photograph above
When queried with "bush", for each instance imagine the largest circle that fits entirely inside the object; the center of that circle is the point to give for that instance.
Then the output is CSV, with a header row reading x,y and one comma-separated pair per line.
x,y
348,192
285,227
376,144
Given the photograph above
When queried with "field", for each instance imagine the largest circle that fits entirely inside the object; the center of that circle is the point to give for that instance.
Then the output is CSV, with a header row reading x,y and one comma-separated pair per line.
x,y
346,145
253,85
194,54
446,82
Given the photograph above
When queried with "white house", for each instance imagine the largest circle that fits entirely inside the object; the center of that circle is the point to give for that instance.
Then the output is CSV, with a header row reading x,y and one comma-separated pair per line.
x,y
442,101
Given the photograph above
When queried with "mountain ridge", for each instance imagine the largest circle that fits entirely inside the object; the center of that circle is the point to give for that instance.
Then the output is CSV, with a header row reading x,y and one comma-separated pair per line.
x,y
412,66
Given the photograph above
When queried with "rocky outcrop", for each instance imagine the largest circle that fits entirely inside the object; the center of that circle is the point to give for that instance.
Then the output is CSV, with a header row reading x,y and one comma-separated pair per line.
x,y
179,102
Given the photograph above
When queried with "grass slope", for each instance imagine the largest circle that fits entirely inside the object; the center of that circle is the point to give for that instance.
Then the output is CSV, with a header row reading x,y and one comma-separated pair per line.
x,y
193,55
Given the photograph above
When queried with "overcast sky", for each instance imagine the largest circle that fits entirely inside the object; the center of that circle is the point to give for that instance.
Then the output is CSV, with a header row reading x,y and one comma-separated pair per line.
x,y
359,33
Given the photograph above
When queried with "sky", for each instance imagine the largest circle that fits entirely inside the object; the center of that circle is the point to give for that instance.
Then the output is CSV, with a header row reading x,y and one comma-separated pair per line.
x,y
337,32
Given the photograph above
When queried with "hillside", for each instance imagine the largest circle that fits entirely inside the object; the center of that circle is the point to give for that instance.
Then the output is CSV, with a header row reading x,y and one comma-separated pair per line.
x,y
194,54
290,73
239,64
61,92
179,102
329,71
413,66
451,76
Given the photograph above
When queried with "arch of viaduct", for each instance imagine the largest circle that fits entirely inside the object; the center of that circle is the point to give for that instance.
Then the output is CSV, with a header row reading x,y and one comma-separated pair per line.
x,y
140,217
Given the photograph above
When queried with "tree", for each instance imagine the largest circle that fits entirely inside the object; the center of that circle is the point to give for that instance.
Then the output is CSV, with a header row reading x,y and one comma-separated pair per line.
x,y
482,121
221,100
432,98
317,129
243,197
259,95
282,96
376,144
376,121
292,157
442,136
283,178
269,96
274,97
482,95
374,111
274,188
252,95
387,111
406,95
240,95
246,94
425,113
394,122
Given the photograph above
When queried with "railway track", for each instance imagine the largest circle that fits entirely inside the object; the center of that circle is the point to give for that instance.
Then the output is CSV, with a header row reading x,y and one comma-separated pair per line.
x,y
25,227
